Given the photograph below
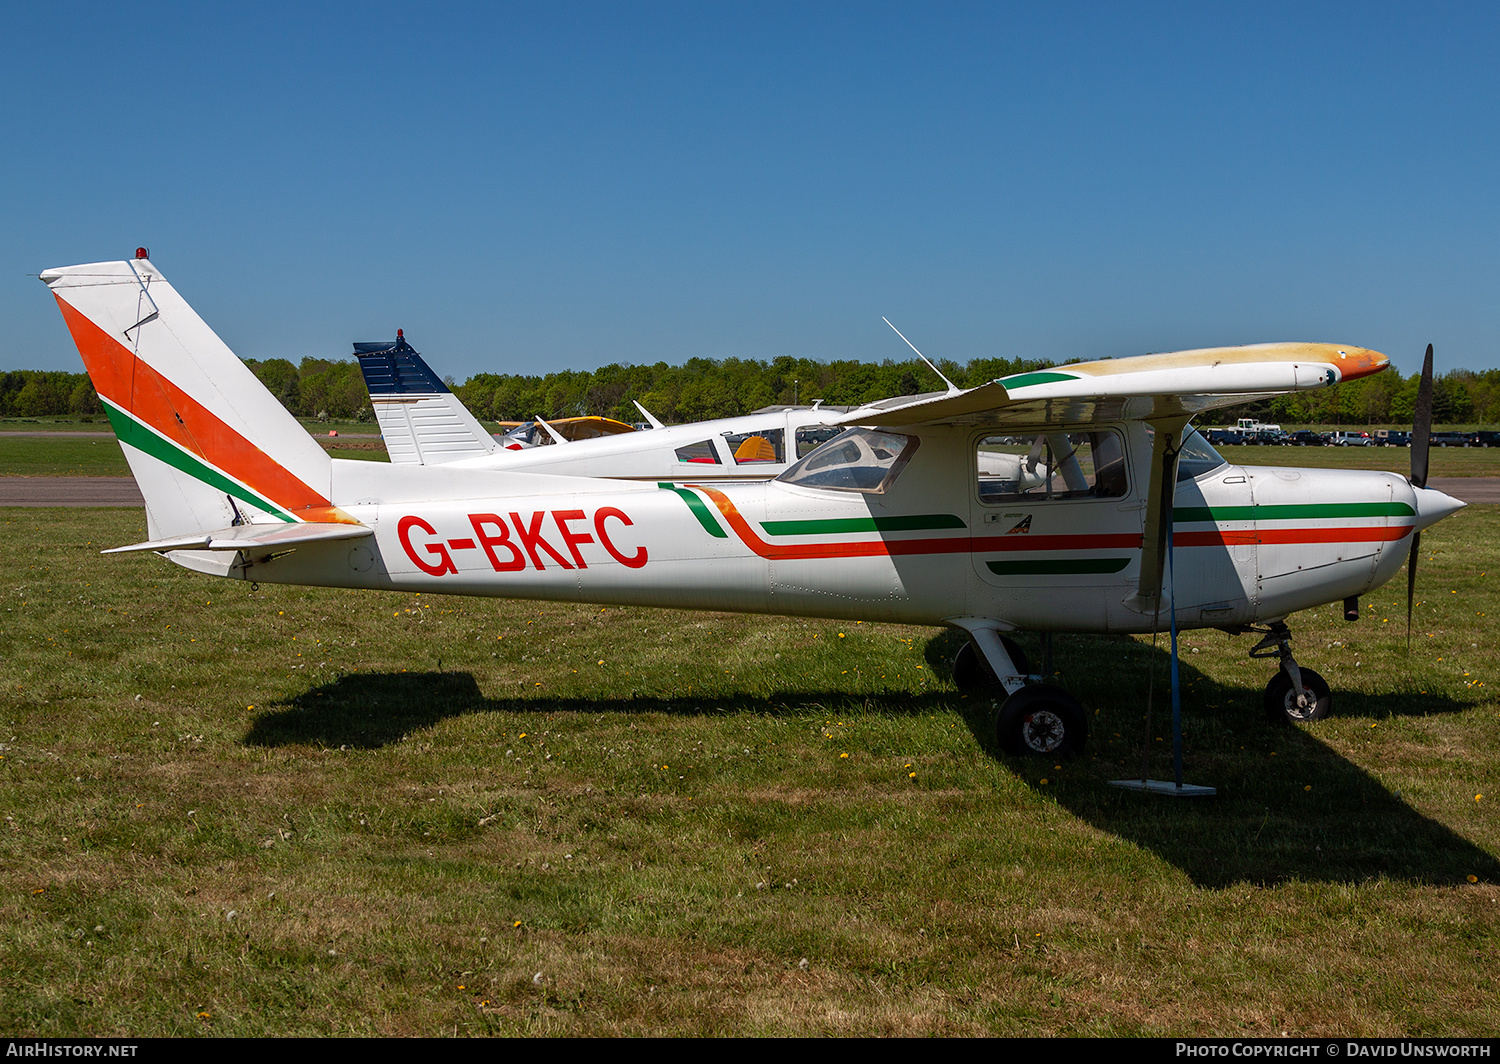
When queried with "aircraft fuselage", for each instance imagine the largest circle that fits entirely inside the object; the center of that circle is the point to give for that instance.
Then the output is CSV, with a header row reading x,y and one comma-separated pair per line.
x,y
942,541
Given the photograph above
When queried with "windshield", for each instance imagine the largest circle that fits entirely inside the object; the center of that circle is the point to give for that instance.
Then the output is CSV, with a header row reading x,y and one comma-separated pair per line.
x,y
1197,457
858,460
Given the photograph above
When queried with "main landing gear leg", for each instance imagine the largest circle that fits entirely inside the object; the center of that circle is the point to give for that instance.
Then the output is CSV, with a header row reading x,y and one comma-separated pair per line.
x,y
1294,694
1037,719
990,660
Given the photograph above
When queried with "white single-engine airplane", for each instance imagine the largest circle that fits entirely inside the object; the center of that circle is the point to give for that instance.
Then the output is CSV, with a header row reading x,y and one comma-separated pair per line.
x,y
424,423
1043,501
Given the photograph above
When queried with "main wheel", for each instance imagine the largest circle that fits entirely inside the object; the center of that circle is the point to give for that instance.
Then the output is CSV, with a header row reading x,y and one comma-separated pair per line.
x,y
1281,703
971,672
1041,720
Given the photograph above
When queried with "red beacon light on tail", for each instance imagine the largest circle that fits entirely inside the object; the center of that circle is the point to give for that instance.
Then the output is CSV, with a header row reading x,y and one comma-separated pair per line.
x,y
143,253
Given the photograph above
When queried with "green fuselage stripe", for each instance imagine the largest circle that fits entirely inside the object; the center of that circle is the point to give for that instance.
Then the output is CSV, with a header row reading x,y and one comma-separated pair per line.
x,y
700,511
1292,512
829,526
1058,566
129,430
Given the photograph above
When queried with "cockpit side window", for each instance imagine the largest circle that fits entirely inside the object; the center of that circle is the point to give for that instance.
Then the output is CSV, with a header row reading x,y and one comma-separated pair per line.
x,y
811,437
865,460
701,452
1051,465
761,446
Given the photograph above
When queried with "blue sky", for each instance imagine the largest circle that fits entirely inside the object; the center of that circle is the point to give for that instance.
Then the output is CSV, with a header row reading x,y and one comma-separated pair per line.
x,y
533,187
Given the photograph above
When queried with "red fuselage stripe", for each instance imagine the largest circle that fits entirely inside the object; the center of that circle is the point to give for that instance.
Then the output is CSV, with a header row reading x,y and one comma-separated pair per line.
x,y
1033,542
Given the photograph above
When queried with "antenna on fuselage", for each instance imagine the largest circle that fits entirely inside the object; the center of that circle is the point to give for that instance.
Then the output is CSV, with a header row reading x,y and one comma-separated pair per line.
x,y
650,417
557,437
953,389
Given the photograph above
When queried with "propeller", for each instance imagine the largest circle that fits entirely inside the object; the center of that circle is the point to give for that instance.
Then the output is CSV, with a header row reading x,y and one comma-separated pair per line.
x,y
1420,435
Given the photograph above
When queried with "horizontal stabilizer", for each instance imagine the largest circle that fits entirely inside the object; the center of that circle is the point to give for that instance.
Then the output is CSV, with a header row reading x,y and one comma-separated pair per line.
x,y
252,537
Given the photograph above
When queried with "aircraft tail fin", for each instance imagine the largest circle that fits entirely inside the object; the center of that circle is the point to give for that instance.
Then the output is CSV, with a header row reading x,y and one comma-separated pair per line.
x,y
422,421
209,446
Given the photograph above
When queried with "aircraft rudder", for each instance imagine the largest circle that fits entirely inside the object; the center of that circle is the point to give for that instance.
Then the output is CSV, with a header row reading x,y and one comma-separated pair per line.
x,y
203,437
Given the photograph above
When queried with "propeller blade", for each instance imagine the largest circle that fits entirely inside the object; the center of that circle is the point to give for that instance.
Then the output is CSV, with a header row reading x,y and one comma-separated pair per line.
x,y
1421,433
1421,430
1411,582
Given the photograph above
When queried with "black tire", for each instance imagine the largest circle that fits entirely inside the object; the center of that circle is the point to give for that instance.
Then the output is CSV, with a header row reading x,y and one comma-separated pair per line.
x,y
1281,704
1041,720
971,672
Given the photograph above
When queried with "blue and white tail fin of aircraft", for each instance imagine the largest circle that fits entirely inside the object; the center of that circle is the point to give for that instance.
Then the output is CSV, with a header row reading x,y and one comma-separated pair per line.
x,y
422,421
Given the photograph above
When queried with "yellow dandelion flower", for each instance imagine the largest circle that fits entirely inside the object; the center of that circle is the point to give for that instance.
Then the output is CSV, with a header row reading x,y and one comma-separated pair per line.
x,y
1473,879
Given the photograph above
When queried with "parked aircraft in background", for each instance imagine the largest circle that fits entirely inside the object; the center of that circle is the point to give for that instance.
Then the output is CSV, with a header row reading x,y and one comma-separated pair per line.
x,y
1049,501
424,423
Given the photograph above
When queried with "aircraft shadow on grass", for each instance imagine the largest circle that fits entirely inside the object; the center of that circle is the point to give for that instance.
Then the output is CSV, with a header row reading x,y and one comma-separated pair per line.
x,y
373,709
1288,807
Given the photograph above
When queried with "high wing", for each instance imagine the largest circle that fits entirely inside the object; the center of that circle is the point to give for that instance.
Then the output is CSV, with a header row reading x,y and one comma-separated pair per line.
x,y
1145,387
1166,390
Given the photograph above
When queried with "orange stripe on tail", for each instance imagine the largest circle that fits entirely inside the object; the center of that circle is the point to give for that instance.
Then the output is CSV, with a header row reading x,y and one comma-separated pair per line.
x,y
132,385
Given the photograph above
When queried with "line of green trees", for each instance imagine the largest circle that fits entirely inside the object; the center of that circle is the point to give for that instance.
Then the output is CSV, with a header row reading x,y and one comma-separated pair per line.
x,y
701,389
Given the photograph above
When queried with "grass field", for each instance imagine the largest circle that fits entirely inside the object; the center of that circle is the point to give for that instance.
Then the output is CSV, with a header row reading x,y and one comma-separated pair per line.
x,y
62,456
1443,461
87,456
232,811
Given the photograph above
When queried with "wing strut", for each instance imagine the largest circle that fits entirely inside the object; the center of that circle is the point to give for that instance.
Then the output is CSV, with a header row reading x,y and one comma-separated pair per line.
x,y
1165,446
1156,553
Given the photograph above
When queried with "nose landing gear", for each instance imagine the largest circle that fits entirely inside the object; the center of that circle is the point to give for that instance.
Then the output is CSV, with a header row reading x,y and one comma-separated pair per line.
x,y
1295,695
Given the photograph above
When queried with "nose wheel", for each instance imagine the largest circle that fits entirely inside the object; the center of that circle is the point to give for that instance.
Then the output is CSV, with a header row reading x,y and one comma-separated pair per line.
x,y
1295,695
1283,705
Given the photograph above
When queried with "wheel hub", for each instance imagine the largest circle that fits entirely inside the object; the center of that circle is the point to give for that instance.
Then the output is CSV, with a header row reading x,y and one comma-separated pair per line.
x,y
1298,708
1043,731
